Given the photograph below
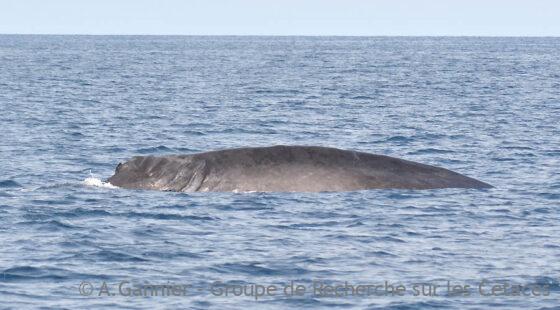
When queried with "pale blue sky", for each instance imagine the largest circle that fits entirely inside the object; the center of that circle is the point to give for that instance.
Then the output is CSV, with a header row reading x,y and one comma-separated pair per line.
x,y
283,17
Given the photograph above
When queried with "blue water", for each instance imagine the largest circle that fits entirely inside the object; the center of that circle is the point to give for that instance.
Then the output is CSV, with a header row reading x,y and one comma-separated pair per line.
x,y
72,107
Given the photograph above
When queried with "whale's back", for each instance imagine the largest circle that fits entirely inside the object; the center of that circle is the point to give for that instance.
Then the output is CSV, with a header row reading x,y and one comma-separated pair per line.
x,y
311,168
285,168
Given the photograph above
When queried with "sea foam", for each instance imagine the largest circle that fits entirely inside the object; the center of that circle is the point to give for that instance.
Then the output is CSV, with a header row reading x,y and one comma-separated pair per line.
x,y
92,181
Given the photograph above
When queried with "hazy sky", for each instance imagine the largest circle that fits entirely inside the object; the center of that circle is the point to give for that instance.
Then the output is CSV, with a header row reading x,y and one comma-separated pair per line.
x,y
283,17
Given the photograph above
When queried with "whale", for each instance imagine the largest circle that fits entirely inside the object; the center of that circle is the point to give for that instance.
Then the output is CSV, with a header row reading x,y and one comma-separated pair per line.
x,y
283,168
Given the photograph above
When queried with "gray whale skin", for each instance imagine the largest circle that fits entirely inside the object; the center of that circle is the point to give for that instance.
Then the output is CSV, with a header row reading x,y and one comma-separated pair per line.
x,y
283,169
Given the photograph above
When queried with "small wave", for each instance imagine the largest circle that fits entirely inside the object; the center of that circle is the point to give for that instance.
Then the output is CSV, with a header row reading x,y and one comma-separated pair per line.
x,y
157,149
430,151
382,254
50,186
254,268
278,91
22,273
194,133
167,216
361,98
52,225
95,182
9,183
115,256
399,139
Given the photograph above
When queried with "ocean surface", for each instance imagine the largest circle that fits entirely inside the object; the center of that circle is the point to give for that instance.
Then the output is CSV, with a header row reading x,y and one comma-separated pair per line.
x,y
73,107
